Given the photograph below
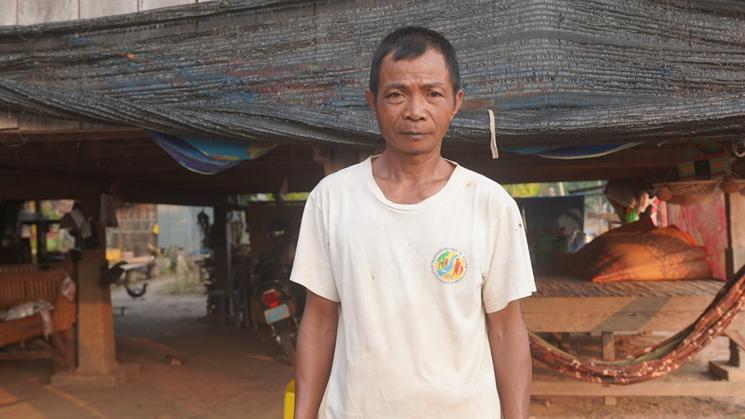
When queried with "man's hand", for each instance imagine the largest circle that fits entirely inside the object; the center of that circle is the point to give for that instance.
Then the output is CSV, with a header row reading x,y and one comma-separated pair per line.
x,y
315,352
510,351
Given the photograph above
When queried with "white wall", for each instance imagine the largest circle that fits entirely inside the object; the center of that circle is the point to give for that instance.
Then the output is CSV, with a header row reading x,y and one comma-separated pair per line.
x,y
28,12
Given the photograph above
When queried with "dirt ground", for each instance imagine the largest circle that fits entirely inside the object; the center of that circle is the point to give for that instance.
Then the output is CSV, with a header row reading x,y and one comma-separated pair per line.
x,y
228,372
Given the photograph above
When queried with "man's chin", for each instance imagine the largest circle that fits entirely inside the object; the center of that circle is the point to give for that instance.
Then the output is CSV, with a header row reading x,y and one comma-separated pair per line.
x,y
414,149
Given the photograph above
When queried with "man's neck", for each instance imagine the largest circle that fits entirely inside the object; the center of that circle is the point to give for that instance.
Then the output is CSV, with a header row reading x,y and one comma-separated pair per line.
x,y
396,167
410,179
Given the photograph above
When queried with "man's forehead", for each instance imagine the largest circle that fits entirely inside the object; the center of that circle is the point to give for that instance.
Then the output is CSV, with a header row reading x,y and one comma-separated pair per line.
x,y
429,68
430,55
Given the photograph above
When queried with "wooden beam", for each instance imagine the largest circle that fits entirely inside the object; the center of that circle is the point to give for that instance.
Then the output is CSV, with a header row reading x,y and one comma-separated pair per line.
x,y
149,193
40,133
28,186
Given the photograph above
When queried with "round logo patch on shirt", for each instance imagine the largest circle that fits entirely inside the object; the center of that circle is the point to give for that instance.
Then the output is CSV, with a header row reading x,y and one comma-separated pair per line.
x,y
449,265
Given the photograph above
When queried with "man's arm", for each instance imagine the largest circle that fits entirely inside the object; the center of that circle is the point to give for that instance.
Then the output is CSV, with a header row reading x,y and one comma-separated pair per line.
x,y
510,351
315,352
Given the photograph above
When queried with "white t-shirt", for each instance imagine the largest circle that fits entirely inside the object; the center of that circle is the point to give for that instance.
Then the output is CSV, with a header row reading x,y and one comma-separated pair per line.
x,y
414,283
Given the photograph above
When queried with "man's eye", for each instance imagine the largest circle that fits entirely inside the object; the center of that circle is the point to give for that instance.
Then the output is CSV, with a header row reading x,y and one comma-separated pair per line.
x,y
435,94
393,95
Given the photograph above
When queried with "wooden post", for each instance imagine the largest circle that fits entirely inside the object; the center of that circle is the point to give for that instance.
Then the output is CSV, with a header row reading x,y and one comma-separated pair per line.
x,y
609,353
735,212
734,207
97,364
735,352
336,159
222,291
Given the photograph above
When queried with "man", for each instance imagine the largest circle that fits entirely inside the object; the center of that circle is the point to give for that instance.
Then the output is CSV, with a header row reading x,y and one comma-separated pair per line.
x,y
413,264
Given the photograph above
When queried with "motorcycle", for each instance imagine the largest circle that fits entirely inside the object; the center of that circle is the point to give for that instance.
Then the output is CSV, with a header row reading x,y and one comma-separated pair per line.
x,y
282,301
279,313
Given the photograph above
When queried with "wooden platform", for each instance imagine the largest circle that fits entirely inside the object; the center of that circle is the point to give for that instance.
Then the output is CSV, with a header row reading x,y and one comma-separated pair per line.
x,y
566,304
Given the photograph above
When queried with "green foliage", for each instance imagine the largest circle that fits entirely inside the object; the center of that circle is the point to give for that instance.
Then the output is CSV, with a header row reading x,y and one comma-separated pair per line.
x,y
523,190
270,197
296,196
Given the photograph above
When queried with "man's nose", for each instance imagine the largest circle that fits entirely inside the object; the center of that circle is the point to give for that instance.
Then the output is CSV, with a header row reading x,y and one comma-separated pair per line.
x,y
416,108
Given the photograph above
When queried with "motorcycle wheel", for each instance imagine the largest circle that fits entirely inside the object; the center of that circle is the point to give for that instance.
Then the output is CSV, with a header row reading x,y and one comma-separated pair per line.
x,y
287,346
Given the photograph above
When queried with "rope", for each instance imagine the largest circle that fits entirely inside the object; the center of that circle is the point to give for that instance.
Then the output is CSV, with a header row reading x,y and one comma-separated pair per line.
x,y
656,360
493,132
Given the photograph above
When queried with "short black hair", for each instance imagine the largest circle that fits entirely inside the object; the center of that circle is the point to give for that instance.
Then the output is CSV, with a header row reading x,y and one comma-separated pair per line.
x,y
411,42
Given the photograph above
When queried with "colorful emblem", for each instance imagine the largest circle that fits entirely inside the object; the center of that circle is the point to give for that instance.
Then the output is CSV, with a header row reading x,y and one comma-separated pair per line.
x,y
449,265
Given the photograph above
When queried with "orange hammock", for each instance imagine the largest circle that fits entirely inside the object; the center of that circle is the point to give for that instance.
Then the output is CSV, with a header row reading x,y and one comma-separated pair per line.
x,y
656,360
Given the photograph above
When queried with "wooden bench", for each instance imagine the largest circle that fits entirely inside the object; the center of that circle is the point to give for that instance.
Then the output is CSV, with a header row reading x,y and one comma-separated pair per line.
x,y
20,287
569,305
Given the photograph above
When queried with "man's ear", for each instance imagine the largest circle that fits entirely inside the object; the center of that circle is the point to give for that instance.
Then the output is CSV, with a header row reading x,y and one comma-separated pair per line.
x,y
370,97
458,102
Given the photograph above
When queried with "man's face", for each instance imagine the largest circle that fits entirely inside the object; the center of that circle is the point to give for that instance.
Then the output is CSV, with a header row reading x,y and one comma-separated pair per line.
x,y
415,102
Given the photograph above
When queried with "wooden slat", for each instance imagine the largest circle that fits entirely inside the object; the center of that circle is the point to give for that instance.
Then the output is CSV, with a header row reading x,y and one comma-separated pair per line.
x,y
155,4
38,123
8,13
26,267
41,11
564,286
699,388
20,287
597,305
20,329
97,8
30,354
8,120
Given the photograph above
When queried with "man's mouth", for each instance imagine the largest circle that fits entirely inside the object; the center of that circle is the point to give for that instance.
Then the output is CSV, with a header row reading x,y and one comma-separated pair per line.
x,y
414,133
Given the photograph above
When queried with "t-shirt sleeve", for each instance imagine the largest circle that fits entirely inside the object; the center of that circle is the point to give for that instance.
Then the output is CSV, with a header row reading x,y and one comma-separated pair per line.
x,y
509,275
312,265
